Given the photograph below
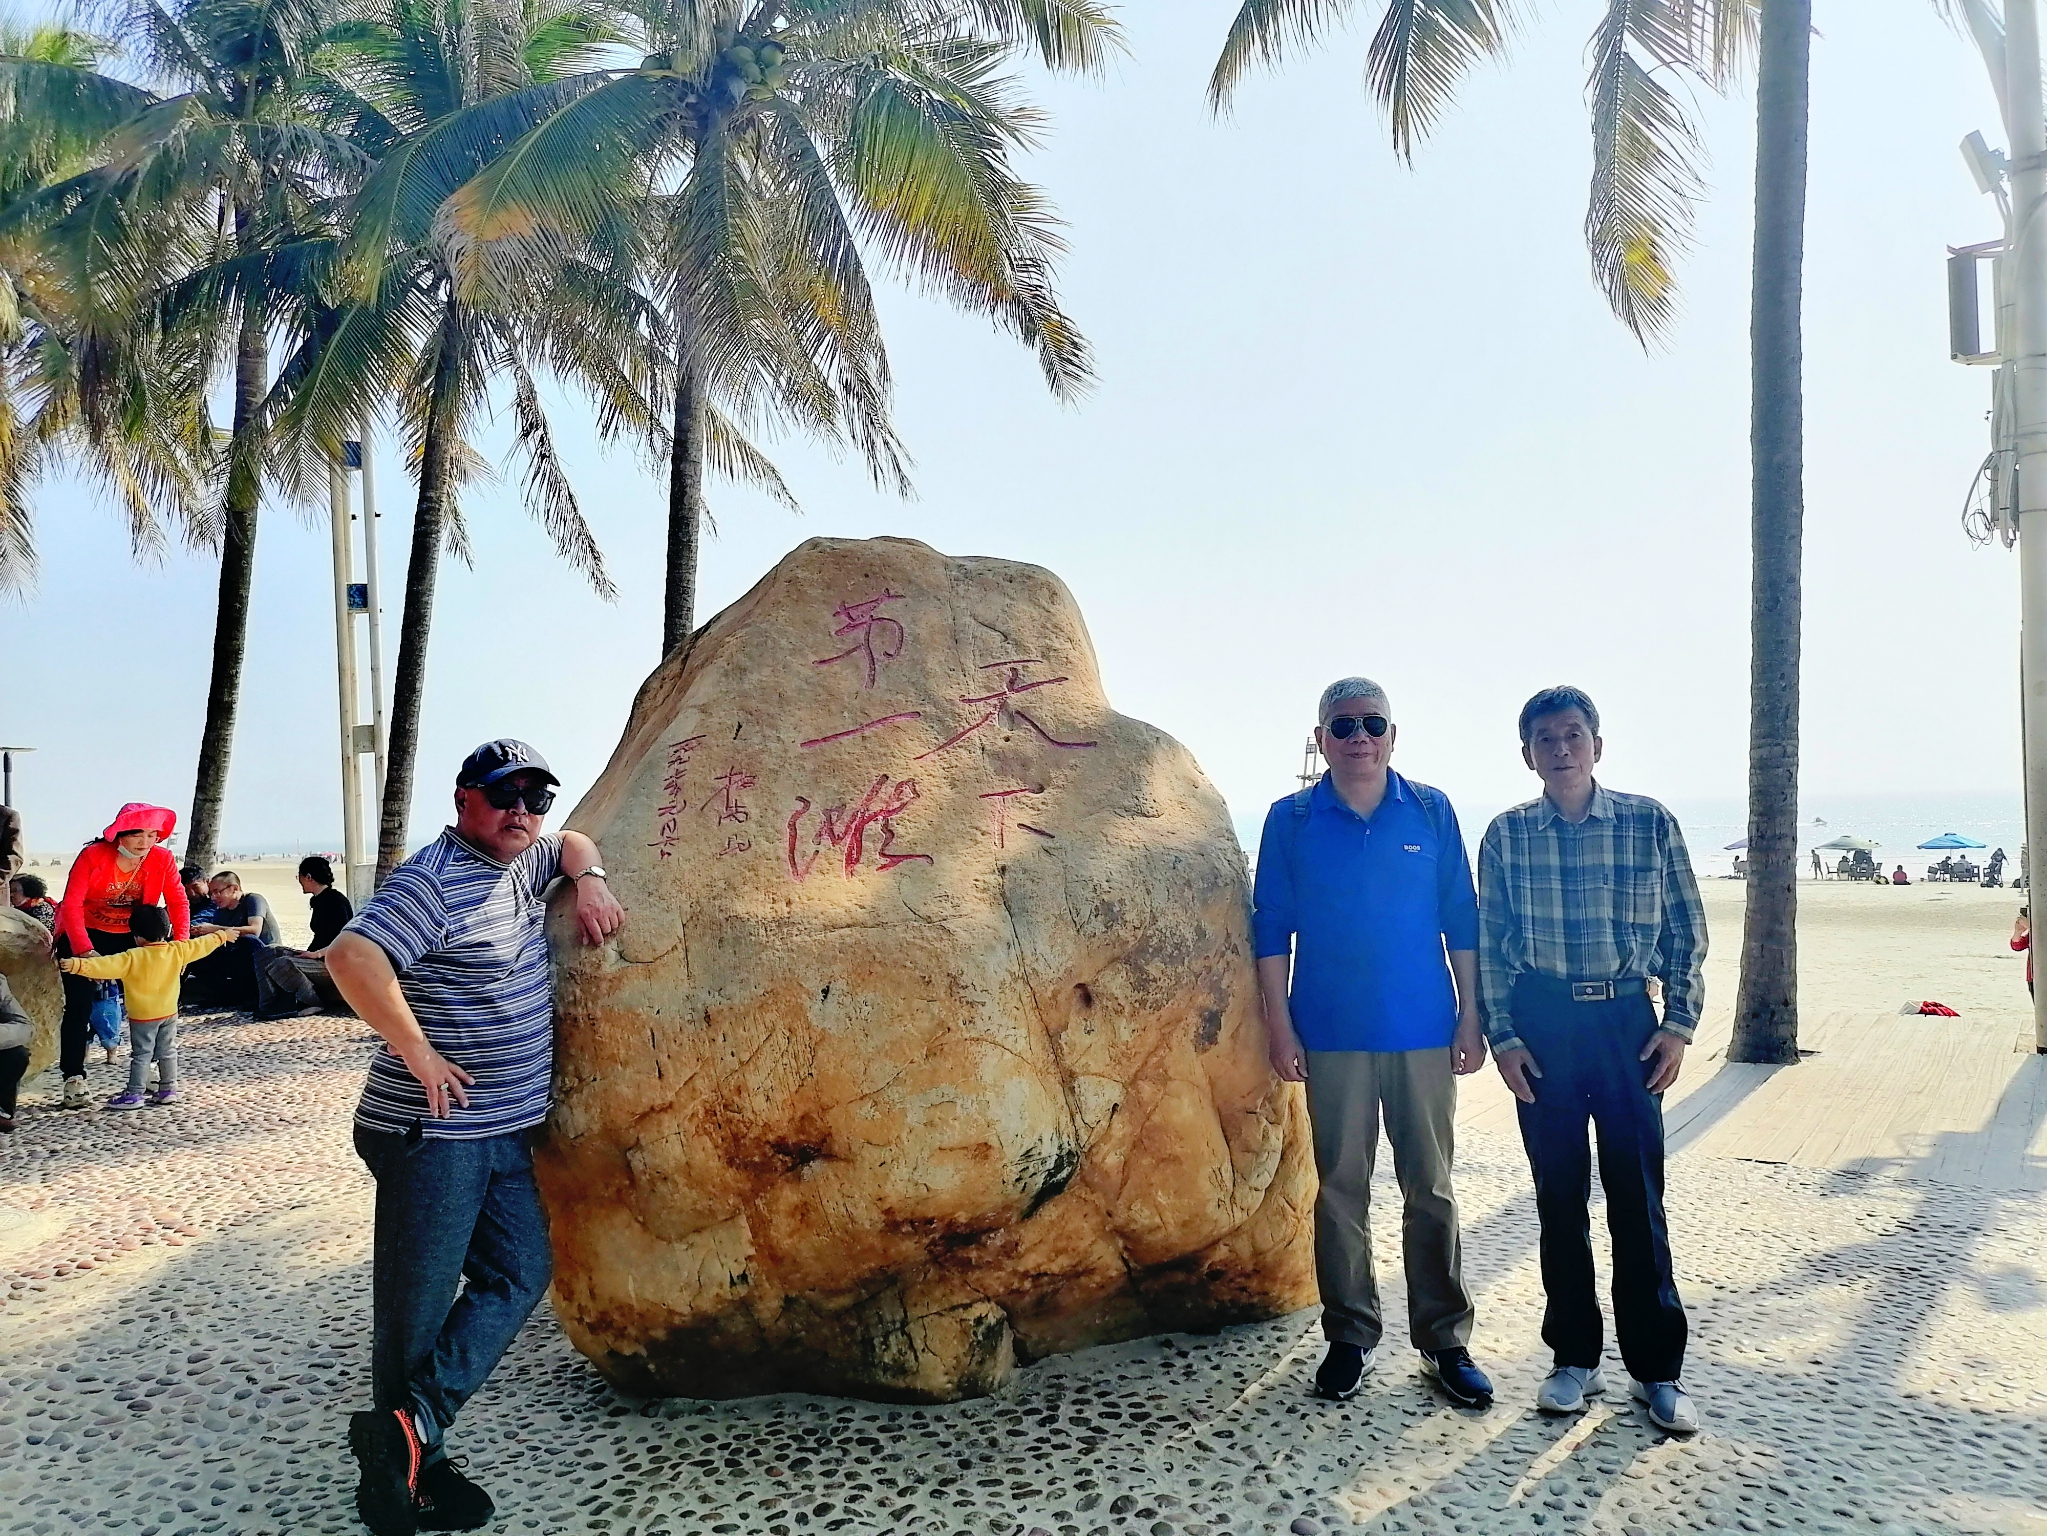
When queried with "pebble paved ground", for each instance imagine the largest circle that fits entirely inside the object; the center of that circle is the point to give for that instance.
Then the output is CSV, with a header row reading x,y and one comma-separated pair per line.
x,y
186,1315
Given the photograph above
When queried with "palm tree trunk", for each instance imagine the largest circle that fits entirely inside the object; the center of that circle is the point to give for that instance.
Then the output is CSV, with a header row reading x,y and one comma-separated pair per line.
x,y
1766,1018
231,608
685,500
429,531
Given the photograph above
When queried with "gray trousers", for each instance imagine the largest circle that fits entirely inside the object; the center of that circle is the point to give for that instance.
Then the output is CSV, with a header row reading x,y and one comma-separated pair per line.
x,y
157,1042
1416,1091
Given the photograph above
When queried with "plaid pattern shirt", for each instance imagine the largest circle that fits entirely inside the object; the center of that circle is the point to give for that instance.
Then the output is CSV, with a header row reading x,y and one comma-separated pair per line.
x,y
1608,898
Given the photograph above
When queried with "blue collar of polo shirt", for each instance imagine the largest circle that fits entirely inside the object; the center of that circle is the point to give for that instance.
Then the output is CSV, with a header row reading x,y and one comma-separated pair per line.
x,y
1326,798
1601,808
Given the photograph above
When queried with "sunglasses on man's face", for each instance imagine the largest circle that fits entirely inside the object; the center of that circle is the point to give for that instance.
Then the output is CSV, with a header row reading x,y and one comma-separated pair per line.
x,y
504,795
1343,727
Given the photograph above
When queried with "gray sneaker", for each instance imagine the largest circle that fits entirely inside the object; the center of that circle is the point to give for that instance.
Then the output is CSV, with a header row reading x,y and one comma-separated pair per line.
x,y
1565,1389
1670,1406
74,1093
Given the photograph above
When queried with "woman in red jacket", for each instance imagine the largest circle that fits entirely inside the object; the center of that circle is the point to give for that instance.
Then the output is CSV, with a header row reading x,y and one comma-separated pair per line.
x,y
124,869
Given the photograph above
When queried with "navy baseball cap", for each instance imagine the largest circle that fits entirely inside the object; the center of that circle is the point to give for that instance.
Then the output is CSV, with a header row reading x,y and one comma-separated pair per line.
x,y
494,760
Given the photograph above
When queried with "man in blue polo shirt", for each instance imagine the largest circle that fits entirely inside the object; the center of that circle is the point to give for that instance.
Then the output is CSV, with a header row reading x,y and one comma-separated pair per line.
x,y
1362,888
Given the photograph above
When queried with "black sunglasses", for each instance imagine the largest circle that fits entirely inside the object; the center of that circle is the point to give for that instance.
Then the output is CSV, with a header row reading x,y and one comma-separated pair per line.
x,y
1343,727
504,795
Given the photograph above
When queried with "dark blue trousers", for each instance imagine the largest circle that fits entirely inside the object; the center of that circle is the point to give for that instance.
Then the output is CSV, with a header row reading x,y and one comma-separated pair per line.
x,y
1591,1074
450,1215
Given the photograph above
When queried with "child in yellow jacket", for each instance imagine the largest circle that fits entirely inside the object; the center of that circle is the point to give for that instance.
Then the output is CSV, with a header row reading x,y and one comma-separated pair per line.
x,y
148,975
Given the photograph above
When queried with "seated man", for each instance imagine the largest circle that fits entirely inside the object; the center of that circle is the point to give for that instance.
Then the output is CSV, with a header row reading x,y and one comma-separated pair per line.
x,y
297,978
1899,877
232,976
198,894
31,897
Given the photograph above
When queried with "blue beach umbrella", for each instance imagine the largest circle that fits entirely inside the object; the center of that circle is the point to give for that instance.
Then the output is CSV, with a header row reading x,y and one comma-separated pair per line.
x,y
1951,840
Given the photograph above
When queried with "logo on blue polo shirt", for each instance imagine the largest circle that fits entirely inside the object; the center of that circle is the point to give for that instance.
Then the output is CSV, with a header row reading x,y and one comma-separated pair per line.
x,y
1412,847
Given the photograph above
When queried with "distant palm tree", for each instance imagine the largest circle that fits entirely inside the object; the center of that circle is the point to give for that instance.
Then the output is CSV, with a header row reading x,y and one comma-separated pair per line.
x,y
792,134
224,169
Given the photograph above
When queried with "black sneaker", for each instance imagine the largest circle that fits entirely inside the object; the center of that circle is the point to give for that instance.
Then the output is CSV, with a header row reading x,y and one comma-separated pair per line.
x,y
1462,1382
1342,1369
448,1501
387,1447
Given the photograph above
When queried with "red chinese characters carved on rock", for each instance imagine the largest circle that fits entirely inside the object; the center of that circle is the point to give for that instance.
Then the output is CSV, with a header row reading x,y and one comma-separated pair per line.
x,y
669,813
732,783
881,637
885,800
994,705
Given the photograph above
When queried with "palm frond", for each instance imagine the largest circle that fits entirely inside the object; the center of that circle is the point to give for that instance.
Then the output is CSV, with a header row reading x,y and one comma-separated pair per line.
x,y
1262,32
1647,157
1420,53
729,453
1075,35
548,492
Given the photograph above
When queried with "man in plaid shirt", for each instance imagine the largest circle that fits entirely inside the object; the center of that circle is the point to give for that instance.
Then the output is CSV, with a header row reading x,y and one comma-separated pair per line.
x,y
1585,895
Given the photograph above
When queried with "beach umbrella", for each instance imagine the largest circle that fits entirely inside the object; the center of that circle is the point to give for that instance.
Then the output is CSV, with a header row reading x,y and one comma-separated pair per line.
x,y
1847,844
1737,845
1951,840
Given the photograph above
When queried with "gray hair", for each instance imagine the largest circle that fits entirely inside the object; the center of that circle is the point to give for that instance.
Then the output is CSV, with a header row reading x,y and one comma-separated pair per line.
x,y
1349,688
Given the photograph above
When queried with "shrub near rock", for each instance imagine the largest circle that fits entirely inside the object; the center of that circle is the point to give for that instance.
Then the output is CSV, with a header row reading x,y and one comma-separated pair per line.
x,y
931,1044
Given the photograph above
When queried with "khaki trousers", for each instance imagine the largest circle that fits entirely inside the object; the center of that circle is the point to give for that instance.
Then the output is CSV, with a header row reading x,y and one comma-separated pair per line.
x,y
1416,1091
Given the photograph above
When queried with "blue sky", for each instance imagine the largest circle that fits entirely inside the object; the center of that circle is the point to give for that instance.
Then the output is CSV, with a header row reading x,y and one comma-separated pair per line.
x,y
1352,418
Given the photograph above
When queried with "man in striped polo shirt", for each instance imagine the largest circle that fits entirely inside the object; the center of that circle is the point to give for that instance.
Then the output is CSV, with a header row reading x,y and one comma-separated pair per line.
x,y
448,963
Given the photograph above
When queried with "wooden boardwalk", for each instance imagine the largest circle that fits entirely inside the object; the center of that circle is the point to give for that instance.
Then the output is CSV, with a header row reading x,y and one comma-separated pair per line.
x,y
1951,1101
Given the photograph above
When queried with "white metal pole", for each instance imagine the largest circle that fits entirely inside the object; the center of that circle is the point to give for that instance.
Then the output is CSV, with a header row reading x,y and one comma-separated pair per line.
x,y
2026,126
344,665
376,615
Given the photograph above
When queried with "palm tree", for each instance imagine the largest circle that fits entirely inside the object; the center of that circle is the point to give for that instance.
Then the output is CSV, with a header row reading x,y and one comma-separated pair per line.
x,y
793,132
397,80
224,169
58,381
1766,1012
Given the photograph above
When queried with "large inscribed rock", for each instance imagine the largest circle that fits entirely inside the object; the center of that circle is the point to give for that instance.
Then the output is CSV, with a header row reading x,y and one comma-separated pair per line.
x,y
34,979
930,1045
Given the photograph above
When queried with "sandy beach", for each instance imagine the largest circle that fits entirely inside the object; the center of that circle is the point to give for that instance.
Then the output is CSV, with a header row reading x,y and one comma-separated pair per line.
x,y
187,1307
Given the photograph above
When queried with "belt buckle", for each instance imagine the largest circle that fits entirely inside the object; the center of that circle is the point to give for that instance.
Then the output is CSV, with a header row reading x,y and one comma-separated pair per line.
x,y
1591,991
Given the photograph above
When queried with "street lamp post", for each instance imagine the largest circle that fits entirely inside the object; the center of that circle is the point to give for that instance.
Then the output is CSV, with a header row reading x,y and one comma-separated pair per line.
x,y
360,738
7,772
2017,465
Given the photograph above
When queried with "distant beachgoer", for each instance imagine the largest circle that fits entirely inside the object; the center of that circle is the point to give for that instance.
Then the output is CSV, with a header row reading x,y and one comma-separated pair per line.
x,y
1841,869
1993,877
234,978
123,870
1584,895
17,1031
2022,938
1899,877
148,974
298,979
31,897
1819,869
448,963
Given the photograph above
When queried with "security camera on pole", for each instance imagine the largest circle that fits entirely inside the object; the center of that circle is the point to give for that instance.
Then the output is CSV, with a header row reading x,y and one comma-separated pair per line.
x,y
2016,470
